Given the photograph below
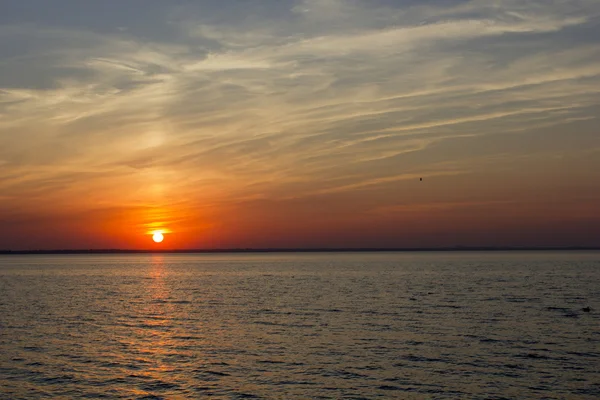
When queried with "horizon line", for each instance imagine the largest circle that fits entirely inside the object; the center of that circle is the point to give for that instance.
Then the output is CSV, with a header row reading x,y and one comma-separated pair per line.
x,y
299,250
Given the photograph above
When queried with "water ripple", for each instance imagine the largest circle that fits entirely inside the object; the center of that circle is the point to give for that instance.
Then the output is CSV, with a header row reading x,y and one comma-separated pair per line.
x,y
300,326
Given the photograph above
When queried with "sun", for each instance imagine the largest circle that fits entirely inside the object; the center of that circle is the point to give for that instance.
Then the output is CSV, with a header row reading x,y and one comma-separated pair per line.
x,y
158,237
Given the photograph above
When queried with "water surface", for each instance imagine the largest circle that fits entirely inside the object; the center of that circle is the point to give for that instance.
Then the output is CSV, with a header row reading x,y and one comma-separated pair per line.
x,y
281,326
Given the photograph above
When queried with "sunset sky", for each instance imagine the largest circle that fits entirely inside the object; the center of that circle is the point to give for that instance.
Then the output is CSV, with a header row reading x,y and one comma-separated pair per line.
x,y
276,123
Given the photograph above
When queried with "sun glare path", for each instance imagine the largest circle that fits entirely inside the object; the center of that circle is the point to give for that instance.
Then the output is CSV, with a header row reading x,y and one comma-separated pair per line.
x,y
157,237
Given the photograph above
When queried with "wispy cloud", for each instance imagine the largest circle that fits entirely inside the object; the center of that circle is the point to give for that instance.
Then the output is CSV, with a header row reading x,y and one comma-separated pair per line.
x,y
289,101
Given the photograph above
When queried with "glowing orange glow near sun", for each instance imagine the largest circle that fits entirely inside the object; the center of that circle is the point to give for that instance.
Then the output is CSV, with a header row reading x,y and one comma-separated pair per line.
x,y
158,237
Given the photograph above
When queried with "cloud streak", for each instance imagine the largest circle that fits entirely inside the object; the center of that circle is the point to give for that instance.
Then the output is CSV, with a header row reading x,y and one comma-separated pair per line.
x,y
302,99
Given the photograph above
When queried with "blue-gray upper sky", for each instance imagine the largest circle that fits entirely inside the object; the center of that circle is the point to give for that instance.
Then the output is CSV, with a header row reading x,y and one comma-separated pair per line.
x,y
308,122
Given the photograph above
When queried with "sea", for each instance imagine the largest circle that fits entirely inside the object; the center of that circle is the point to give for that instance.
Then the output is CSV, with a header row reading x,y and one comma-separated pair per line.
x,y
382,325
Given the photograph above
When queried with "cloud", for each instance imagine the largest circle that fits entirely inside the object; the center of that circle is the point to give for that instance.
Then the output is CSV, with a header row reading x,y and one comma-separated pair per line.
x,y
293,101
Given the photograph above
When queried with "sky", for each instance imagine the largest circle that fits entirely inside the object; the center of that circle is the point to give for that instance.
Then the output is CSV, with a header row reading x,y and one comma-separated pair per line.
x,y
308,123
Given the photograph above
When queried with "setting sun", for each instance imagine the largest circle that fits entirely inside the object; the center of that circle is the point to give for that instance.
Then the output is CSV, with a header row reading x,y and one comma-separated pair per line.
x,y
157,237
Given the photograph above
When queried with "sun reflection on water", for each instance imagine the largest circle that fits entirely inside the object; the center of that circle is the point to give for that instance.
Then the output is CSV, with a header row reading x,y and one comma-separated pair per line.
x,y
154,339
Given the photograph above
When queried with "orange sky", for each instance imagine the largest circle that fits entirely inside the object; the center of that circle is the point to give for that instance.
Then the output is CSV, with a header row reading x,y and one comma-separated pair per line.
x,y
308,125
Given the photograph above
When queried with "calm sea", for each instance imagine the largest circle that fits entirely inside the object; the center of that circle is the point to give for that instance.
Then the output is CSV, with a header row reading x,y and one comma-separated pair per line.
x,y
301,326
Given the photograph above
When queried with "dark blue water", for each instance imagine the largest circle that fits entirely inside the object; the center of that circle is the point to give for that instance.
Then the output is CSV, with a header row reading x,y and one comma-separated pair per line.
x,y
281,326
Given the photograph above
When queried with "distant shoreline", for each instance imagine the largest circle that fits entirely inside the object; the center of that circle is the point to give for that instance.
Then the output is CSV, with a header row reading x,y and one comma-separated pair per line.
x,y
291,250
